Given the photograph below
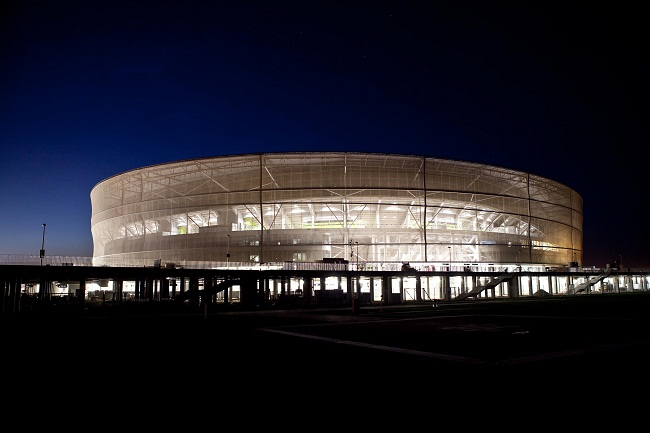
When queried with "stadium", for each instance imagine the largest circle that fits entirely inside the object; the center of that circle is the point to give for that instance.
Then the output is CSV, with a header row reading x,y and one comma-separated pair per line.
x,y
369,211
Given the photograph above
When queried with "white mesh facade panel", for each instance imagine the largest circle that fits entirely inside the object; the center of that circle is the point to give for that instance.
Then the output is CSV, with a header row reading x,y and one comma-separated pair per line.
x,y
366,208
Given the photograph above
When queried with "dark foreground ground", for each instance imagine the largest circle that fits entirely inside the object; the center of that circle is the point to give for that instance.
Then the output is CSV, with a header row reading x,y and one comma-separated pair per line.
x,y
564,346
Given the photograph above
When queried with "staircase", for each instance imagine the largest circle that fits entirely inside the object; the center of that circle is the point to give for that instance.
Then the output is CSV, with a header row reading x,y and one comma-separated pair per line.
x,y
491,284
590,282
181,297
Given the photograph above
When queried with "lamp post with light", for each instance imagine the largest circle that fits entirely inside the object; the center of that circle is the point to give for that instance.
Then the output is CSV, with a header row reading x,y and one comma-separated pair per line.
x,y
449,257
357,243
228,254
43,246
351,254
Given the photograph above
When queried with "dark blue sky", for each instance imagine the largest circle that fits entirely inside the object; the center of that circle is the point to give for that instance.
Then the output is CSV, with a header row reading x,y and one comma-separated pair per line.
x,y
92,88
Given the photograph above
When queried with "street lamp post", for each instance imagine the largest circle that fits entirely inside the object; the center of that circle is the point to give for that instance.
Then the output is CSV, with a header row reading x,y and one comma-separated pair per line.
x,y
43,246
358,290
449,257
228,254
351,254
357,255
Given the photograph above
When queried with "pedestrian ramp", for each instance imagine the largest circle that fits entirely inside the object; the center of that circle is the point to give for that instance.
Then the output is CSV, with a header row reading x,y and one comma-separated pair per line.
x,y
489,285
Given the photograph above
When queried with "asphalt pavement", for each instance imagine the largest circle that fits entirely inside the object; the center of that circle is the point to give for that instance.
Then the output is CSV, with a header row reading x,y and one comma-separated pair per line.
x,y
519,344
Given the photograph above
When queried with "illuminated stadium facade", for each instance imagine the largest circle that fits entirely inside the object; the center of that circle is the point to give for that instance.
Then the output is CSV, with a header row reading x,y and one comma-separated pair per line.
x,y
375,211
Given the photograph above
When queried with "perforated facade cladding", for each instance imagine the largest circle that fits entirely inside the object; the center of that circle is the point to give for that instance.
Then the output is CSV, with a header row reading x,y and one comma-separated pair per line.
x,y
370,209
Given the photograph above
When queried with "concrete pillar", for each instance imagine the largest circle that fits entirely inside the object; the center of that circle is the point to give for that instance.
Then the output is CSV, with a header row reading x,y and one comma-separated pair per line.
x,y
118,289
164,288
283,286
149,289
446,284
348,289
385,289
532,286
249,296
172,284
266,291
513,287
307,290
194,289
398,299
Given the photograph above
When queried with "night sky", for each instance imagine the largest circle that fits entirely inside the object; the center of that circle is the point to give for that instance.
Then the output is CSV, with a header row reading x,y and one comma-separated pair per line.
x,y
91,89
